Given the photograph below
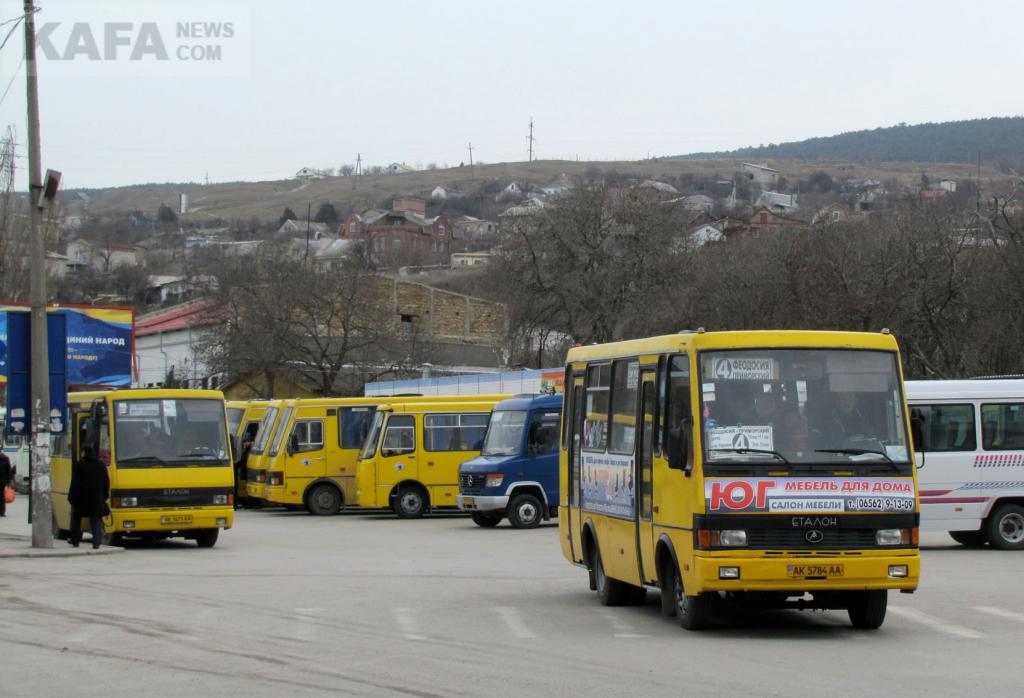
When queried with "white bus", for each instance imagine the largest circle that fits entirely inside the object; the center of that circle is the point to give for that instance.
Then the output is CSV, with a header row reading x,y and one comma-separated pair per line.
x,y
17,449
969,439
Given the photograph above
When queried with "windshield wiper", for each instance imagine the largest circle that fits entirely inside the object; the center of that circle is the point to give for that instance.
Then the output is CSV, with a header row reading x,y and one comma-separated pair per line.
x,y
142,459
856,452
754,450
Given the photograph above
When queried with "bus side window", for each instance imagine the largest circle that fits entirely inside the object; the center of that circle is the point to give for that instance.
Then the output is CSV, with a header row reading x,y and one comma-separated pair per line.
x,y
917,428
678,416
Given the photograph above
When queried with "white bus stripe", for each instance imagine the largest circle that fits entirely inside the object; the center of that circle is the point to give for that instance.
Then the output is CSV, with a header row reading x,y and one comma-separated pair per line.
x,y
935,623
514,622
1001,613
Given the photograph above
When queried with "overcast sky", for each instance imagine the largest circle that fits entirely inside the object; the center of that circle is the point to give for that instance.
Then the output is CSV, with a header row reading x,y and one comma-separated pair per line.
x,y
313,83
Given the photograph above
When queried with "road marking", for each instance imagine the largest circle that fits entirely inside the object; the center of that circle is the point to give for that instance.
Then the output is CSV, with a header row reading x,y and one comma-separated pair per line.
x,y
935,623
305,629
1001,613
407,623
514,622
620,627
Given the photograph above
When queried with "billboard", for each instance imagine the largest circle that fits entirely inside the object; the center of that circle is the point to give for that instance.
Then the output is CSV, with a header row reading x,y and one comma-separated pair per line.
x,y
100,344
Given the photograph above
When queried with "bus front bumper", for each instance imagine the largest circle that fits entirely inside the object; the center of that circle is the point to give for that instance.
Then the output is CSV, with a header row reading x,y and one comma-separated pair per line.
x,y
165,521
798,574
476,502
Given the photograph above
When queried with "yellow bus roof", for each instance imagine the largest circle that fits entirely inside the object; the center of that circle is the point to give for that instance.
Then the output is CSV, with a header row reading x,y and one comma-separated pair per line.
x,y
144,394
698,341
435,406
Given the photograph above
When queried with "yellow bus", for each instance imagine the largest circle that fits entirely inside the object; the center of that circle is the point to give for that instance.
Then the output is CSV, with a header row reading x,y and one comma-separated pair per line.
x,y
771,468
169,457
410,460
277,412
244,419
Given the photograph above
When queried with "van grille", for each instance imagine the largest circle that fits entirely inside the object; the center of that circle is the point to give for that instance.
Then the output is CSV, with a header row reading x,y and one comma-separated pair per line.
x,y
471,482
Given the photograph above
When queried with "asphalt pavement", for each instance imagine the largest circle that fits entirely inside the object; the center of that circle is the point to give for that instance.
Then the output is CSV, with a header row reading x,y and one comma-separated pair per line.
x,y
369,605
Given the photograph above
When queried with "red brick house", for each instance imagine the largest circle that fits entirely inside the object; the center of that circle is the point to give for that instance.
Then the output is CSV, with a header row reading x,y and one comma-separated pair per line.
x,y
404,234
765,220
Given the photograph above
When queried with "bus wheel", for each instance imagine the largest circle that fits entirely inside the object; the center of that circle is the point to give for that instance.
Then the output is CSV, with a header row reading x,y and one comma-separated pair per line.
x,y
867,608
610,592
113,539
972,539
693,612
1005,527
486,519
207,537
667,577
410,502
525,511
323,500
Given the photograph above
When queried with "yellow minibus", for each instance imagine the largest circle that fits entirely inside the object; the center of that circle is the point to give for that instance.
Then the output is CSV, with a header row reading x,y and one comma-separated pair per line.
x,y
772,468
410,460
169,459
259,454
244,419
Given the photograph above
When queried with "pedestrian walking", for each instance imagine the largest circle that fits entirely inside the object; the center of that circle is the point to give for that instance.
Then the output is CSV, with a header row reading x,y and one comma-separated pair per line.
x,y
6,480
88,494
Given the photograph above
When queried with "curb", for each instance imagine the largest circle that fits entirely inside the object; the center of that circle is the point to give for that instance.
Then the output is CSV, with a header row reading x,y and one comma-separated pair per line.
x,y
27,551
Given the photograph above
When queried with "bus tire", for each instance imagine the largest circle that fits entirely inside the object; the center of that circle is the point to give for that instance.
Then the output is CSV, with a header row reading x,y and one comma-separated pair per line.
x,y
667,579
410,502
610,592
692,612
1004,528
525,511
323,500
867,608
971,539
207,537
486,519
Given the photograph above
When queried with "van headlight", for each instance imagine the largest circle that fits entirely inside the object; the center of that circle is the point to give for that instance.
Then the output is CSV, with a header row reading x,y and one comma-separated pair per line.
x,y
494,480
892,536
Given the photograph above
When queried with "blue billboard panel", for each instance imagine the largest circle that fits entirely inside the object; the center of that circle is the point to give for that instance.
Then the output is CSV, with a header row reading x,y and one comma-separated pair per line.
x,y
99,345
18,346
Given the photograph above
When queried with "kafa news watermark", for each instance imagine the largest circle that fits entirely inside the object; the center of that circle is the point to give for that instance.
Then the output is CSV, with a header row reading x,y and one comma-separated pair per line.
x,y
143,39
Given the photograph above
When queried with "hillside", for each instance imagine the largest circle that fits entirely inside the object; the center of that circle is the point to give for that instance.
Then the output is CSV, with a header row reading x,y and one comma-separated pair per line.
x,y
952,141
266,200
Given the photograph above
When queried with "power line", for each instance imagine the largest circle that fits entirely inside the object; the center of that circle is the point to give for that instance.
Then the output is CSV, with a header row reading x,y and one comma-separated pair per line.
x,y
11,82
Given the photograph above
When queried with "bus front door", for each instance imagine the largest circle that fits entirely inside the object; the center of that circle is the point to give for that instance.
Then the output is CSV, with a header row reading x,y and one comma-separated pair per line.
x,y
645,479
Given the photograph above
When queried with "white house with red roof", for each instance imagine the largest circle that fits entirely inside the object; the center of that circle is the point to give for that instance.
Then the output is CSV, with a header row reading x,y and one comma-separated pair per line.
x,y
169,340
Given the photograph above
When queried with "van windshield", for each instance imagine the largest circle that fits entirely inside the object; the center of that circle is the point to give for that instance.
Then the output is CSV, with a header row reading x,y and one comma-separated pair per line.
x,y
263,434
778,407
504,433
370,445
177,432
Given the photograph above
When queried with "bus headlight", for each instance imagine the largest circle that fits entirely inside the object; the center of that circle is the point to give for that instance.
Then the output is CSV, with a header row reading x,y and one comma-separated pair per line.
x,y
898,571
494,480
220,499
727,538
893,536
121,502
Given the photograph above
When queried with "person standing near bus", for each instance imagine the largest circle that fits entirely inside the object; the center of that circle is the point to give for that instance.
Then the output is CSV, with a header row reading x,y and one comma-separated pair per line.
x,y
6,480
88,494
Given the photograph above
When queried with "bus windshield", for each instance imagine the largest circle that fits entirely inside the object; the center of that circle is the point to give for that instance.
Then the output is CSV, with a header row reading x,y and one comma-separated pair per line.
x,y
263,434
778,407
504,433
175,432
235,419
370,445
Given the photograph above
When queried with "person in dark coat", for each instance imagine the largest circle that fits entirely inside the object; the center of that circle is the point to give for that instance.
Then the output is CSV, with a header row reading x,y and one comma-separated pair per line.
x,y
88,494
6,478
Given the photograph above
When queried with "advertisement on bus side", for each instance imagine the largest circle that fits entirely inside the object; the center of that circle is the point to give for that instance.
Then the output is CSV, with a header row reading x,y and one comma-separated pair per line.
x,y
823,495
607,485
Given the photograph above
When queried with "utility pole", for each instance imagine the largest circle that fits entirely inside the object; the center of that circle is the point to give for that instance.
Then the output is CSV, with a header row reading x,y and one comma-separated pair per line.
x,y
309,209
359,169
42,504
207,179
471,159
530,139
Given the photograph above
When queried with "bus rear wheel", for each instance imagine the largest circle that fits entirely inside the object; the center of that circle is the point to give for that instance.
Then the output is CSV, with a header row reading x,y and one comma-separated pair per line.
x,y
486,519
323,500
207,538
610,592
1004,529
867,608
410,502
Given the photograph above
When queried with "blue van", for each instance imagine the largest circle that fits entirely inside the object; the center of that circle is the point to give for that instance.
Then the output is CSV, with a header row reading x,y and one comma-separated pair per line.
x,y
516,473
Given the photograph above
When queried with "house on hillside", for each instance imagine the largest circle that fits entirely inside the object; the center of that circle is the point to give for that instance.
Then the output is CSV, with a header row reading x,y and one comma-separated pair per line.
x,y
659,186
168,342
399,168
833,213
780,203
559,185
475,230
309,173
696,203
767,220
295,227
762,174
105,255
331,254
403,233
702,235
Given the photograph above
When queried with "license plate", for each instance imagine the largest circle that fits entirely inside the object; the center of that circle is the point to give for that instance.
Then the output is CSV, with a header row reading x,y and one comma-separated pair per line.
x,y
468,500
176,519
826,571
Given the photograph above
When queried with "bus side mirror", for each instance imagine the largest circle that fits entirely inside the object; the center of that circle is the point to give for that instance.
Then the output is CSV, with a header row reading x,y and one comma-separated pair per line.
x,y
293,444
679,446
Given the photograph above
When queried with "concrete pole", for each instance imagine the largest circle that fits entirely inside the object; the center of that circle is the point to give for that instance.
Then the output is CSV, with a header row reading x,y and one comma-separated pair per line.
x,y
42,505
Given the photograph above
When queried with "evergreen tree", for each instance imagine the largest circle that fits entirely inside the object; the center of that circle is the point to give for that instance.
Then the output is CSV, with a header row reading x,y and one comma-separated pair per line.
x,y
288,215
326,214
